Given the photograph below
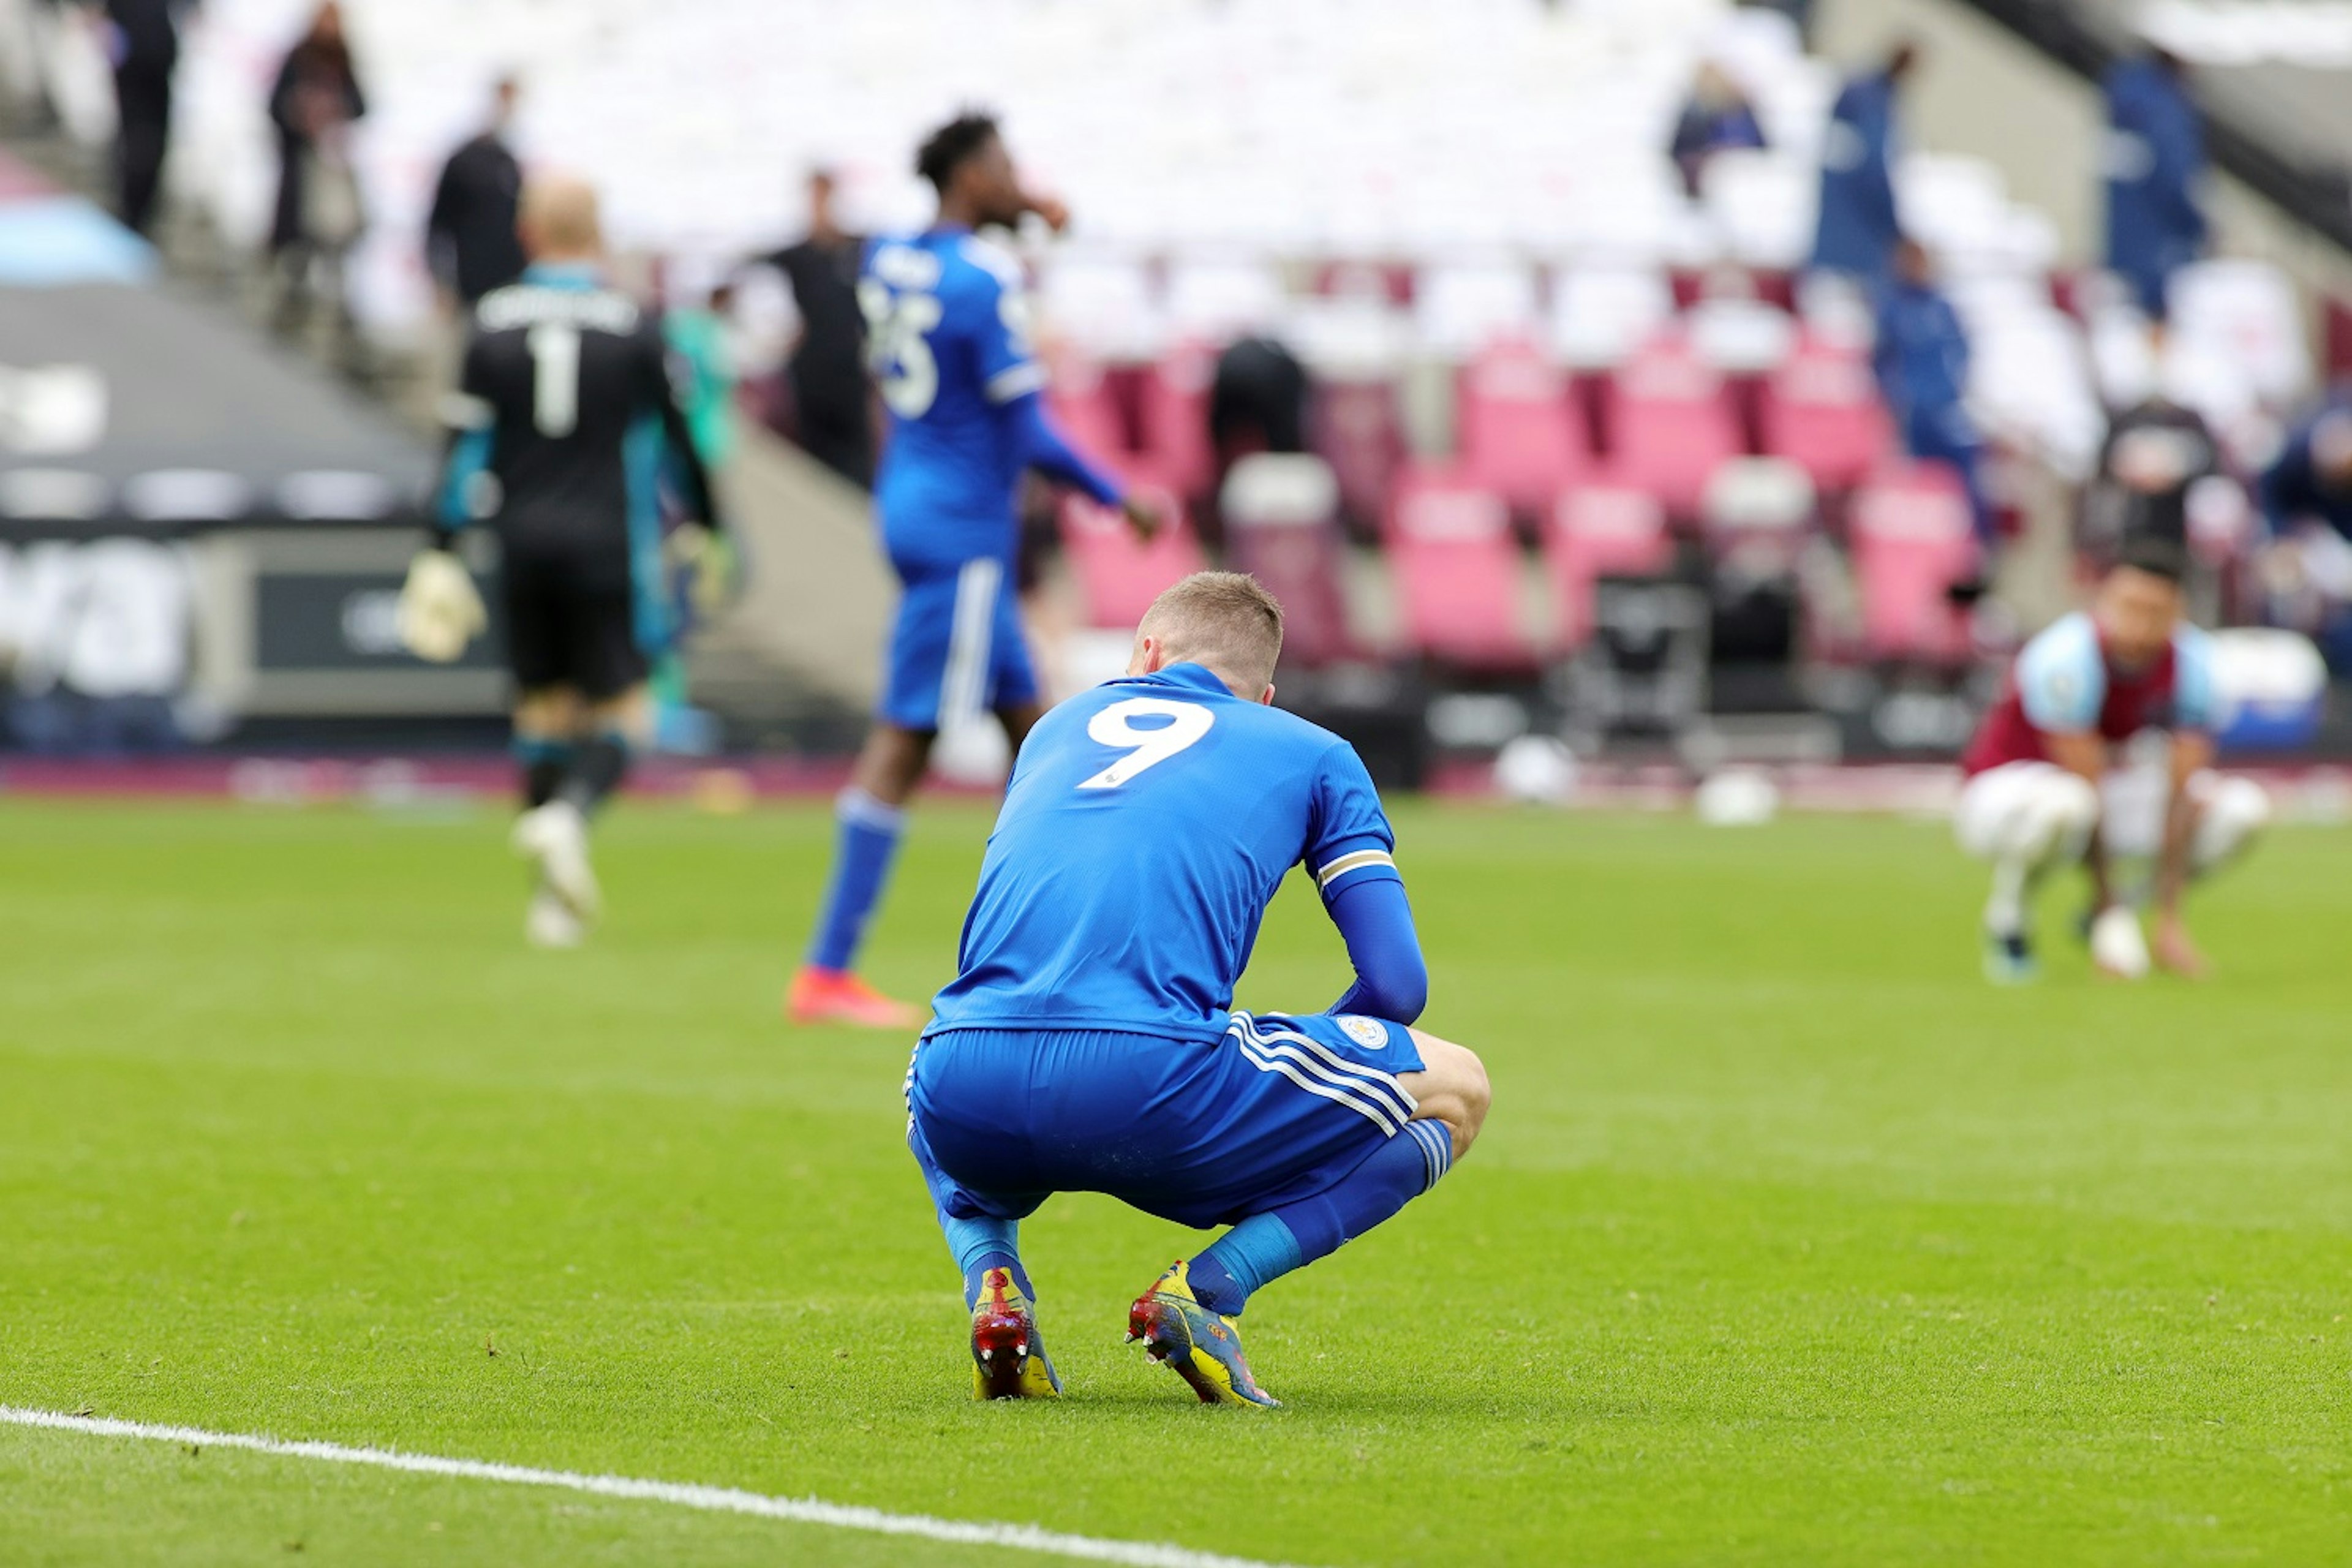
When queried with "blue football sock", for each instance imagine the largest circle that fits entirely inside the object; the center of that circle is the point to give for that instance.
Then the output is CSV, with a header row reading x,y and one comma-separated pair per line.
x,y
1265,1246
861,865
980,1244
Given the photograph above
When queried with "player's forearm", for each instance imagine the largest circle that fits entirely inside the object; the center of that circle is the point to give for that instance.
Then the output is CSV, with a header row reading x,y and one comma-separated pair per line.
x,y
1392,976
701,498
1043,448
2172,860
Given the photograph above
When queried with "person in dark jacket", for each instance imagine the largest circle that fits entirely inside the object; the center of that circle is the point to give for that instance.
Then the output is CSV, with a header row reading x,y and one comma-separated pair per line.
x,y
1922,359
143,45
470,243
313,103
2155,451
1716,116
2155,158
827,370
1858,229
2310,478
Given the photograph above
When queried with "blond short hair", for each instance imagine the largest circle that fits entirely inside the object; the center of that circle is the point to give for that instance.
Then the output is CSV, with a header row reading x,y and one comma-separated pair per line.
x,y
557,215
1224,620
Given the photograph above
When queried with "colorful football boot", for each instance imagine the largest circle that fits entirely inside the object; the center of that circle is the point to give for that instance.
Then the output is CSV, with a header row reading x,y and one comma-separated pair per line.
x,y
1008,1354
1195,1343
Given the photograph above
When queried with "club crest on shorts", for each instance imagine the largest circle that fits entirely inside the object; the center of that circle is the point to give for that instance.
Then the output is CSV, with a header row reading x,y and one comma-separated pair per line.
x,y
1370,1033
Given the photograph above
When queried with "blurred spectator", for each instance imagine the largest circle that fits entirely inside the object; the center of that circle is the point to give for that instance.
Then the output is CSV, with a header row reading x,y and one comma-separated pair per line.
x,y
470,243
143,45
1257,402
703,363
827,370
2155,451
2311,479
1858,228
316,97
1716,116
2155,157
1922,359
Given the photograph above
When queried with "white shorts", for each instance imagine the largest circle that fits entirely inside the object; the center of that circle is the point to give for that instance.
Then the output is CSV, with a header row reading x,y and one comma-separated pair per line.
x,y
2131,803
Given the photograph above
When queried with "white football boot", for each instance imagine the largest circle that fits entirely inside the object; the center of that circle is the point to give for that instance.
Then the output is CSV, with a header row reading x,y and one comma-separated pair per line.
x,y
550,923
556,836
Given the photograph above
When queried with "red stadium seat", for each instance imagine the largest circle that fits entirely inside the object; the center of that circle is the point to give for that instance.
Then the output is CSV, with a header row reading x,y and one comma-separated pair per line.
x,y
1912,540
1520,436
1456,566
1281,512
1821,410
1176,418
1673,424
1359,429
1118,574
1595,531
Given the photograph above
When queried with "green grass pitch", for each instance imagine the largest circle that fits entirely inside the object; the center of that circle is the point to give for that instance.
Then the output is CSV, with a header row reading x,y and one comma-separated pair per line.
x,y
1788,1240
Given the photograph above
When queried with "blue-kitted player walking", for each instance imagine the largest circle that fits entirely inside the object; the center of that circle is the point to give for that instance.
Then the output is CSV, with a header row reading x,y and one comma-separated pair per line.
x,y
948,340
1086,1044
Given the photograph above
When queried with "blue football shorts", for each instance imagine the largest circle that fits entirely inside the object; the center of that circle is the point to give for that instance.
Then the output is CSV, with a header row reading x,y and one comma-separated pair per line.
x,y
1279,1109
956,650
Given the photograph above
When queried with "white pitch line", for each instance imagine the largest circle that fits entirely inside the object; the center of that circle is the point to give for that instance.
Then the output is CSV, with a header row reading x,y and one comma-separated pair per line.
x,y
711,1500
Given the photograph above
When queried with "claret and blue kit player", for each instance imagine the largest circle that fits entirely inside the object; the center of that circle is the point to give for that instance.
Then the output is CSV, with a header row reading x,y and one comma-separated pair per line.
x,y
2049,783
948,340
1089,1044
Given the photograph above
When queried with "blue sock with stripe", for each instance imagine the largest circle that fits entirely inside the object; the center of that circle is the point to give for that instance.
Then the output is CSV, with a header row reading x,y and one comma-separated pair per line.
x,y
1265,1246
869,839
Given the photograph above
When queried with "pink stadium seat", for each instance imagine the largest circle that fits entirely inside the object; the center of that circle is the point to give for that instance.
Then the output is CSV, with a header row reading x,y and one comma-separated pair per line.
x,y
1282,526
1176,418
1673,424
1911,539
1359,429
1595,531
1521,436
1118,574
1821,411
1456,566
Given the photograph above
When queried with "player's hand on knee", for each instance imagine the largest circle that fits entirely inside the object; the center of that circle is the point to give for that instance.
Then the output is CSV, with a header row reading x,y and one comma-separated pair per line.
x,y
440,611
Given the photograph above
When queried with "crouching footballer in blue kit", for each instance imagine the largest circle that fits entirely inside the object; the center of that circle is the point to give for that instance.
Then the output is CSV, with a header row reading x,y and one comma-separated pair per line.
x,y
1086,1045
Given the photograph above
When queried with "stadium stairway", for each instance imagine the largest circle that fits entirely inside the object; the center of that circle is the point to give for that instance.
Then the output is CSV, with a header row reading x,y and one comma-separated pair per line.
x,y
795,656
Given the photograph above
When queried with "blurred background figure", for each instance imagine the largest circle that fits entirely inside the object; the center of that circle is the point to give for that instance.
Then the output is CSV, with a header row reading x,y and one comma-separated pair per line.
x,y
470,244
1922,359
2155,451
2154,160
1858,228
144,46
827,368
1716,115
318,215
1257,402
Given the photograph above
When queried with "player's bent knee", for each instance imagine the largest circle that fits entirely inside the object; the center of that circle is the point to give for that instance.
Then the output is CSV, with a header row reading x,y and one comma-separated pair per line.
x,y
1452,1088
2074,805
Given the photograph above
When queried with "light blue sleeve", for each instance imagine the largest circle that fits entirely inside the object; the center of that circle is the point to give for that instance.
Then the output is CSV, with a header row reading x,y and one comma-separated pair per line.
x,y
2061,679
2192,679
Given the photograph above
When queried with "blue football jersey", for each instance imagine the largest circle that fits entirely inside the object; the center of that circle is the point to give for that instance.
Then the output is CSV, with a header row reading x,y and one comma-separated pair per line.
x,y
1147,826
947,325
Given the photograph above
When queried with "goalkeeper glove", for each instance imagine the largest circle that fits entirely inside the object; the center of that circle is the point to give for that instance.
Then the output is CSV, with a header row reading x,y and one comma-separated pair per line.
x,y
705,556
440,611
